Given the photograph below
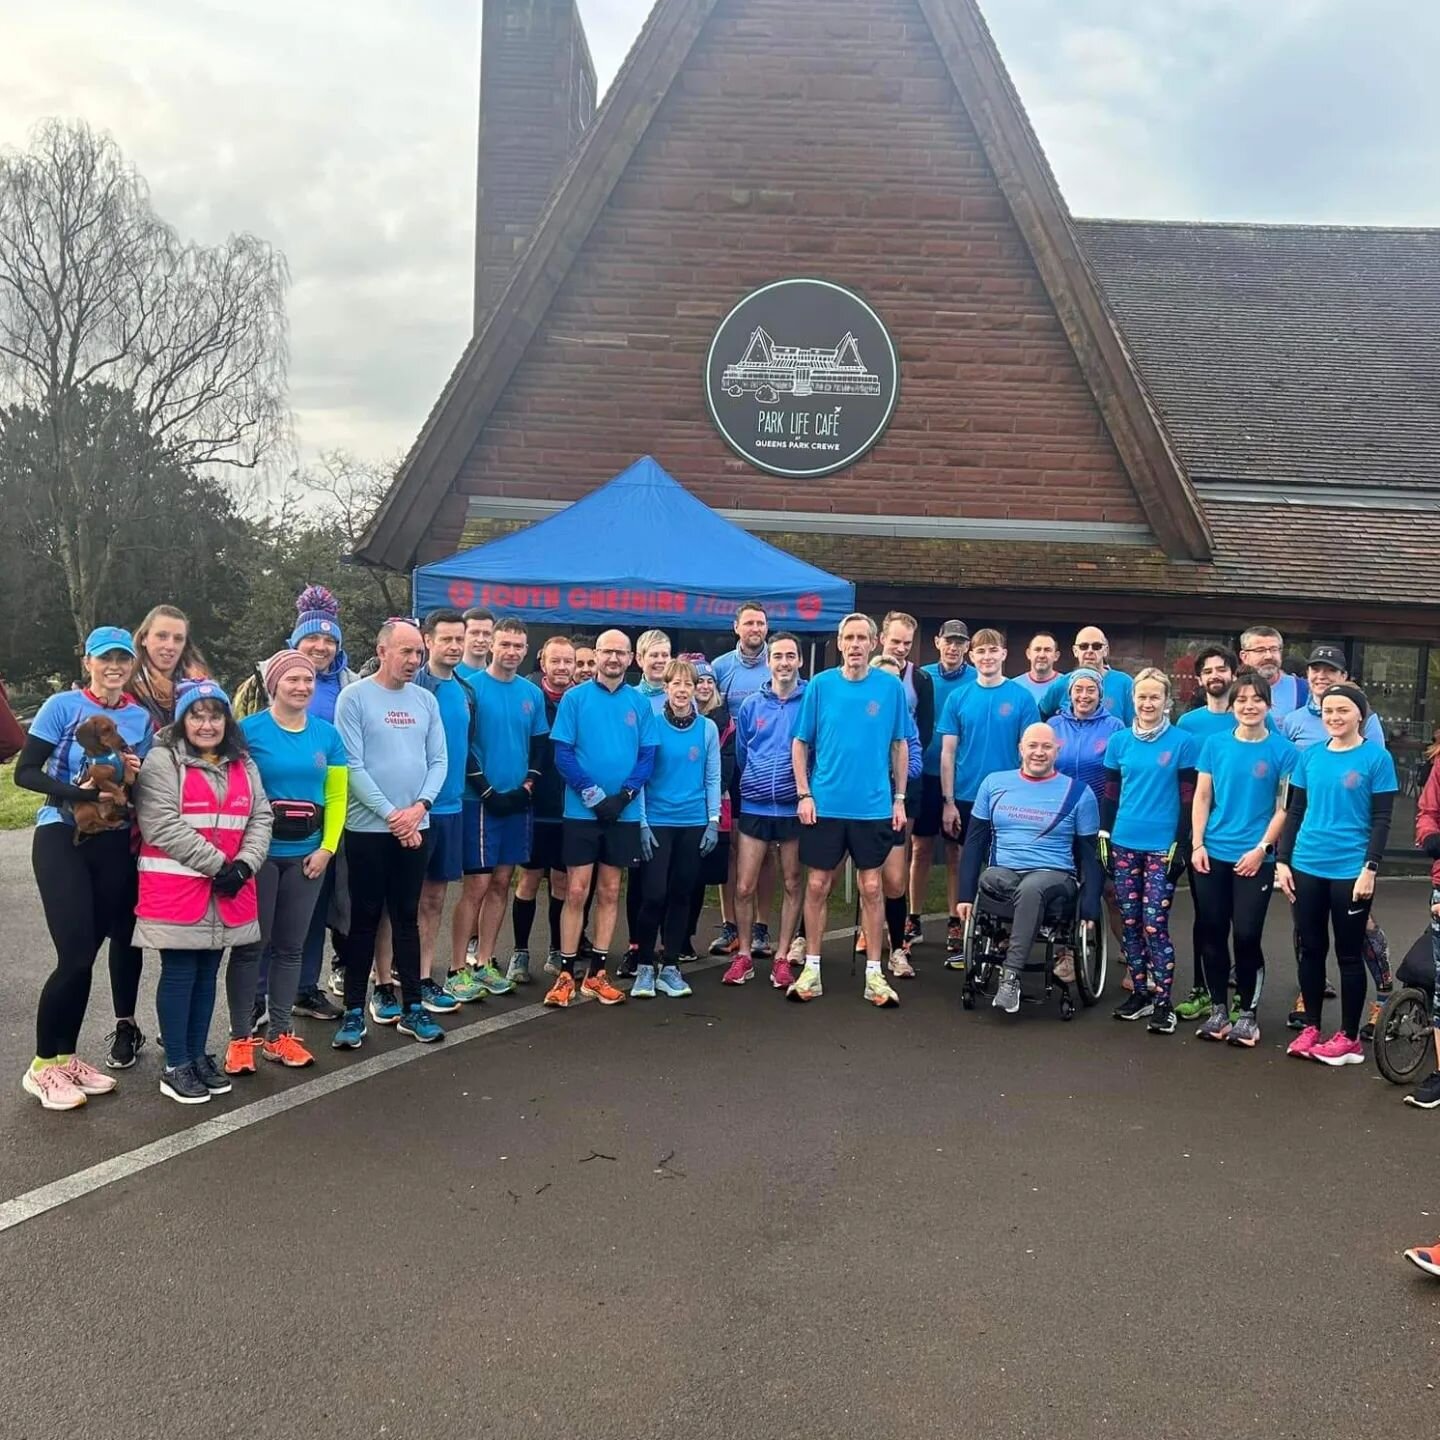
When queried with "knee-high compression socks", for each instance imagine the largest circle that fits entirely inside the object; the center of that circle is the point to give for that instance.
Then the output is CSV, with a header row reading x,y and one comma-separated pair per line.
x,y
895,921
522,918
556,906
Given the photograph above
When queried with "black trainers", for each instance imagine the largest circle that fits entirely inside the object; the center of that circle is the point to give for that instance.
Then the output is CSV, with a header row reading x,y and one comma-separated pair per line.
x,y
1136,1007
184,1085
259,1018
1162,1019
630,965
126,1042
1426,1095
214,1079
316,1005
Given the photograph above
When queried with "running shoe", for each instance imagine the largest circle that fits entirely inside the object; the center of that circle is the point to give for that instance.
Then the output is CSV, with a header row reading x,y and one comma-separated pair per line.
x,y
1301,1046
87,1079
597,985
1427,1257
1194,1005
878,990
1339,1049
1245,1030
464,986
643,987
1372,1019
316,1005
727,942
796,953
672,983
352,1032
287,1050
1007,996
183,1085
954,960
1296,1018
337,981
914,930
419,1025
472,949
806,986
760,946
259,1019
630,964
738,971
900,966
240,1056
1162,1021
435,1000
687,956
1137,1007
1425,1096
954,933
782,974
552,963
490,977
517,972
54,1088
562,992
1329,991
385,1007
126,1042
1217,1026
211,1076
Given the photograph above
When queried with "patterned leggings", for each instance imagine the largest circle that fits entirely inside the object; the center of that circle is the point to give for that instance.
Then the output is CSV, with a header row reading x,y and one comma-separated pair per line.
x,y
1144,895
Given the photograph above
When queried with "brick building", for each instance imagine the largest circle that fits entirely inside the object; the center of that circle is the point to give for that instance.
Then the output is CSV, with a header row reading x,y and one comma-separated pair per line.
x,y
1169,429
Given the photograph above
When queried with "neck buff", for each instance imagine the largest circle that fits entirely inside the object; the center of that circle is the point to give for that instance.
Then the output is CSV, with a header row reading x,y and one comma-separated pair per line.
x,y
680,722
1148,735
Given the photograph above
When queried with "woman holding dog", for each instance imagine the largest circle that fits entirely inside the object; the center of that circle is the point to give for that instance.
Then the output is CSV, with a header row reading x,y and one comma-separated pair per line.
x,y
87,881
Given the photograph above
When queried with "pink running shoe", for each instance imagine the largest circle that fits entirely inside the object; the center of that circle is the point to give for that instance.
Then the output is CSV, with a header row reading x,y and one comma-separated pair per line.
x,y
1302,1047
87,1079
53,1088
782,974
739,971
1339,1049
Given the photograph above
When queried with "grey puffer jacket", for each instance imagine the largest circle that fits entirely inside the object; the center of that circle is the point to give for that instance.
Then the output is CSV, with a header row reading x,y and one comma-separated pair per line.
x,y
157,806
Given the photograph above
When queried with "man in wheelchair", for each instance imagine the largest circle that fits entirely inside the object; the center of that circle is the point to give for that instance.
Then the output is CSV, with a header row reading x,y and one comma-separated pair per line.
x,y
1031,850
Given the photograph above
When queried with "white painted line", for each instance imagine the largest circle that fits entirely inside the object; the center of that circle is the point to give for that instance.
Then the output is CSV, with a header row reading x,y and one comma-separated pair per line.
x,y
44,1198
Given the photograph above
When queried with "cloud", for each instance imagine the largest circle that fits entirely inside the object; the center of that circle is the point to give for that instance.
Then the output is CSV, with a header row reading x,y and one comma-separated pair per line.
x,y
343,131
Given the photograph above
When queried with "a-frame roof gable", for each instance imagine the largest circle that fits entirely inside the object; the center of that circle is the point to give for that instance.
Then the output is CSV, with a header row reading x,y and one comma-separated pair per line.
x,y
1014,154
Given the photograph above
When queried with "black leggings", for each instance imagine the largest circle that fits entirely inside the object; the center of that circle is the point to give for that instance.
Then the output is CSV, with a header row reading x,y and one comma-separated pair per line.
x,y
667,883
88,892
1226,901
1320,906
385,877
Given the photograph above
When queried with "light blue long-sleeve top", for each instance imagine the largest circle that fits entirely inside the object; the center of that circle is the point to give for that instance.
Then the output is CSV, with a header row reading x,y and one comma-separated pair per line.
x,y
395,745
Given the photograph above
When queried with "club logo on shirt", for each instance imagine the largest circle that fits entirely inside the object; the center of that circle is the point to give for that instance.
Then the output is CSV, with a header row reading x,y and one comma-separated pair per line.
x,y
1261,770
694,753
1352,779
761,722
873,708
1004,708
1164,758
631,719
527,707
320,759
401,719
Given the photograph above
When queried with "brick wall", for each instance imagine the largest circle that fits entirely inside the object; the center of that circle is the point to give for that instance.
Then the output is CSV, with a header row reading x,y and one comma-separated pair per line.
x,y
537,95
840,149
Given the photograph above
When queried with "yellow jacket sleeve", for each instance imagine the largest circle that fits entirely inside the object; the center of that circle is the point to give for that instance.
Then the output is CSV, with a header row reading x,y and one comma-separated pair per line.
x,y
337,796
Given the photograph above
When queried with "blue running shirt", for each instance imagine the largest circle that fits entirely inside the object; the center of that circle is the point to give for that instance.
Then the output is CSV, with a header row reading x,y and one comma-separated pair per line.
x,y
56,722
608,729
1245,776
455,717
947,682
850,726
989,721
1338,784
1029,833
685,787
293,765
1149,816
510,713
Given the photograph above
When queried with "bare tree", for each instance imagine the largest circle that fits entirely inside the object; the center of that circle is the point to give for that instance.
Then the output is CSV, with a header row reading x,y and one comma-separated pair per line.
x,y
99,296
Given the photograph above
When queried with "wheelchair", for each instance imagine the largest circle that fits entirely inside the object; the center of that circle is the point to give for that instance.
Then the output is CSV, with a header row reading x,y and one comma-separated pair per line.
x,y
1404,1042
987,933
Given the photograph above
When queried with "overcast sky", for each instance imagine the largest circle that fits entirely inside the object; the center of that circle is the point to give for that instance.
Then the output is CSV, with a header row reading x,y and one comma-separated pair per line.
x,y
343,131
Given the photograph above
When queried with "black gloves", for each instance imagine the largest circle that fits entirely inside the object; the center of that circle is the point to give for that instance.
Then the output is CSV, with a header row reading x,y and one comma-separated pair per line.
x,y
612,806
231,878
1432,846
507,802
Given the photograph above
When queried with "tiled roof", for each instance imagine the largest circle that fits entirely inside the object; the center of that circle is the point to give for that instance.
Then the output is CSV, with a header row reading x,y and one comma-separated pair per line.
x,y
1281,354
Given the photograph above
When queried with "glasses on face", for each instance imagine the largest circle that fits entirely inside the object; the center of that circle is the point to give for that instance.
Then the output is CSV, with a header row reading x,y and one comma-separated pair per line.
x,y
1089,644
403,620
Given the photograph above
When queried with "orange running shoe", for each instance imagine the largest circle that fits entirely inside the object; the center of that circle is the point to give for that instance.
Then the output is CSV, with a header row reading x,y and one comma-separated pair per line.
x,y
562,992
240,1056
599,987
288,1050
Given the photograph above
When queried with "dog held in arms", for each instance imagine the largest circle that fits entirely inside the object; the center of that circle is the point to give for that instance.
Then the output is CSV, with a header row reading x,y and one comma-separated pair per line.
x,y
105,750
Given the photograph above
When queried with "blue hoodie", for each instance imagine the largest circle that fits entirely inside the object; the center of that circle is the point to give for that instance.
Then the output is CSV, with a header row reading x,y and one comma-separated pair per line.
x,y
328,685
1082,745
764,728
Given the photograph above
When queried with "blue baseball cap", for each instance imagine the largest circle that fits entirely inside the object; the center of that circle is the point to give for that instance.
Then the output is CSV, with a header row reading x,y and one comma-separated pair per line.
x,y
105,638
196,690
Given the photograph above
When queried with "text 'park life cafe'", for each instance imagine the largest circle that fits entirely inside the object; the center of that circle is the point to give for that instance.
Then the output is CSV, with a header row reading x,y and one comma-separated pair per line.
x,y
812,259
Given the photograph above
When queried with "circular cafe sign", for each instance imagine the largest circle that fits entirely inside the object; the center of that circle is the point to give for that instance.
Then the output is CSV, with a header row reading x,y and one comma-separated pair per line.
x,y
802,378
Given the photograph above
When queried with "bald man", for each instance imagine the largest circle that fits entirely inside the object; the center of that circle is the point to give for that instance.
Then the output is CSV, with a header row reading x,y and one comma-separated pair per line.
x,y
395,744
1032,833
1092,650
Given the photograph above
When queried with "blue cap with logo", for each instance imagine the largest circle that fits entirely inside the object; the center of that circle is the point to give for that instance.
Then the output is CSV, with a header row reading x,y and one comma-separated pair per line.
x,y
105,638
196,690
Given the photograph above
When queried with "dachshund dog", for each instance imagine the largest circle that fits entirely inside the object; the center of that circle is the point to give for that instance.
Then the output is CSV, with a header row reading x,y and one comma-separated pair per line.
x,y
105,750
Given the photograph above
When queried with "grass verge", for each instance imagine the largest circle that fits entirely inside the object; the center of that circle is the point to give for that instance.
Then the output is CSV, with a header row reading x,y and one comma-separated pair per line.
x,y
17,807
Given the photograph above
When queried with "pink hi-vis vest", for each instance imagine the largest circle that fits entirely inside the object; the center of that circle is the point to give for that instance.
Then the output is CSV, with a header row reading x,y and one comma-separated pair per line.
x,y
173,893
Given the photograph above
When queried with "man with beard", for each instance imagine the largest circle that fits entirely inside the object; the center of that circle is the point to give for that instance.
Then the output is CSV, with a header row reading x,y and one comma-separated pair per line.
x,y
1262,648
1215,668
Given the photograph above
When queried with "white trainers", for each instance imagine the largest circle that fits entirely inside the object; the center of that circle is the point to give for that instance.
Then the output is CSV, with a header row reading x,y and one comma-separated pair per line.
x,y
900,965
52,1086
878,990
806,985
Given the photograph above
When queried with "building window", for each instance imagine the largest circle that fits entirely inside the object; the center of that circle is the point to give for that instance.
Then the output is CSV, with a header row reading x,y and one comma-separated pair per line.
x,y
1180,652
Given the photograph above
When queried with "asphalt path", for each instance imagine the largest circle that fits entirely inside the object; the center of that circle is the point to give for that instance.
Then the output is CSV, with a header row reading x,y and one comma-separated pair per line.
x,y
728,1216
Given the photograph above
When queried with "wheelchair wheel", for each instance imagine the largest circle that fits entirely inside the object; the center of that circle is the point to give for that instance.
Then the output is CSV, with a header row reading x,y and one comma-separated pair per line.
x,y
1092,944
1404,1038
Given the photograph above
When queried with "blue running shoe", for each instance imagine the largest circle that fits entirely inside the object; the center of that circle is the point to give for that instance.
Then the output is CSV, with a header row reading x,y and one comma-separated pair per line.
x,y
351,1033
419,1026
436,1000
385,1006
672,983
492,980
644,986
